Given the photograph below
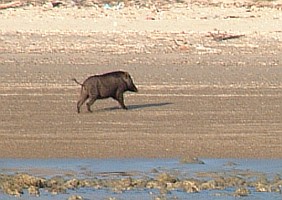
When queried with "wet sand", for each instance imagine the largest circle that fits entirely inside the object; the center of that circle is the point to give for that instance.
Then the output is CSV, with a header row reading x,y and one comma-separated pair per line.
x,y
198,97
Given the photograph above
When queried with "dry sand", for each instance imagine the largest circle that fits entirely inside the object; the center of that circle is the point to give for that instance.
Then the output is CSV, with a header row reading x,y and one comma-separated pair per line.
x,y
198,96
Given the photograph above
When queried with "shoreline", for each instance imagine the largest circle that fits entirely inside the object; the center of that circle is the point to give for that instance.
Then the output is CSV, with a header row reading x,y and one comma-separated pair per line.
x,y
145,178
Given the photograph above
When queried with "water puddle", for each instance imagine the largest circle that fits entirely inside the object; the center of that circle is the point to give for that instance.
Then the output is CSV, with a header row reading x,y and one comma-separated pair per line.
x,y
140,179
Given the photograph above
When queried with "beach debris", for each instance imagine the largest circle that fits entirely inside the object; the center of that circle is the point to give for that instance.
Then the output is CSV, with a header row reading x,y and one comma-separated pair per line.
x,y
191,160
242,192
190,186
208,185
262,187
164,181
72,184
13,4
182,44
166,178
56,3
75,197
12,189
34,191
219,36
117,6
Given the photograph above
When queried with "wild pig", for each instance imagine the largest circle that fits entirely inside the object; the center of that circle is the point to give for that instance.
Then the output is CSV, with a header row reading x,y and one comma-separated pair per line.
x,y
112,84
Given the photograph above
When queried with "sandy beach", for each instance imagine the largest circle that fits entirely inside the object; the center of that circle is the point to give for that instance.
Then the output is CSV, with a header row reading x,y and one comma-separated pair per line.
x,y
209,77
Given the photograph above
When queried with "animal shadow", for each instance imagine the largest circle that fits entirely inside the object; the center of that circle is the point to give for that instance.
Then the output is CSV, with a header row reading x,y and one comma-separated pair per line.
x,y
139,106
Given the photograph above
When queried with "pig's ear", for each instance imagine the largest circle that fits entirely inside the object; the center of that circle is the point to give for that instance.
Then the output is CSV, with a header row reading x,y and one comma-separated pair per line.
x,y
127,76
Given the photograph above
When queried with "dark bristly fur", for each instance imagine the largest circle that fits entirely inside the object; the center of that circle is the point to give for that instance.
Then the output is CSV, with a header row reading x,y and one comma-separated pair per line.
x,y
112,84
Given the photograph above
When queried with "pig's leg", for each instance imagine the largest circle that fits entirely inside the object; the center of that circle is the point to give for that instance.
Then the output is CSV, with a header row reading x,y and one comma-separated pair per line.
x,y
90,102
120,100
81,101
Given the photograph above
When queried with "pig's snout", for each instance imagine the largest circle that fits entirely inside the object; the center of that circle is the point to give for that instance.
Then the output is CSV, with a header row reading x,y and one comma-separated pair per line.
x,y
134,89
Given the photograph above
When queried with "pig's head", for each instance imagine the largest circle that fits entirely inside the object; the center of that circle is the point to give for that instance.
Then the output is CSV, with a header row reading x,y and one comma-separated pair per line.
x,y
129,82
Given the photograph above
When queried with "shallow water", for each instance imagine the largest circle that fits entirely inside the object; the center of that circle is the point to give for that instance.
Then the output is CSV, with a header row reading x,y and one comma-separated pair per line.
x,y
144,169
